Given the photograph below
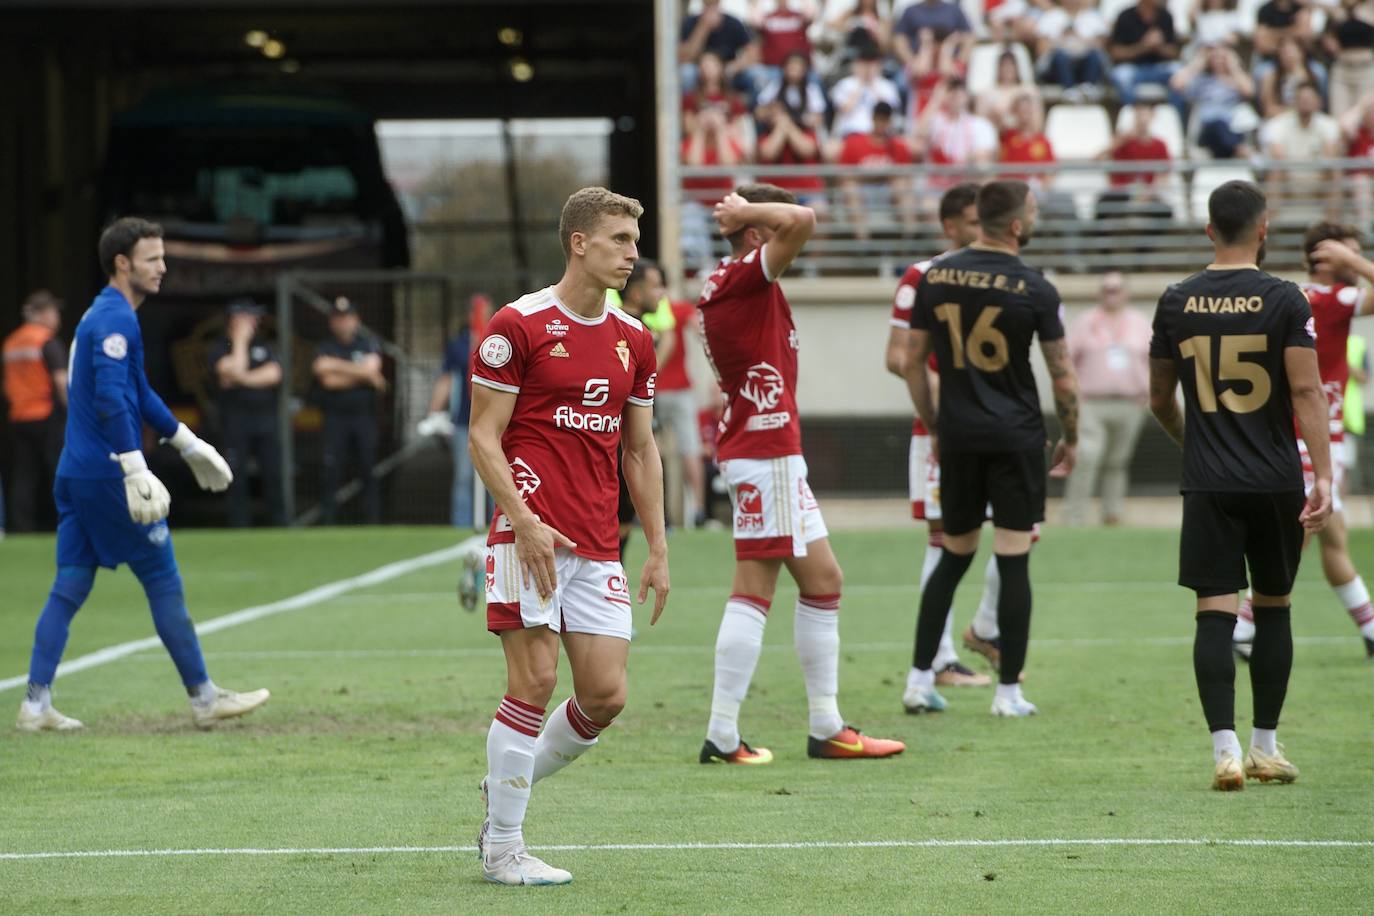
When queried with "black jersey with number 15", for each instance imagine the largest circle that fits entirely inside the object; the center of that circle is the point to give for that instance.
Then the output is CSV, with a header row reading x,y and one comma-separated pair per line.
x,y
1226,331
983,308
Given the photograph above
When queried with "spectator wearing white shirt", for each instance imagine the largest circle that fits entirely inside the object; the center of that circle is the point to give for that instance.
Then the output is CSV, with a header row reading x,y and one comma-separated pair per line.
x,y
952,134
798,90
856,94
1303,134
1070,40
1218,22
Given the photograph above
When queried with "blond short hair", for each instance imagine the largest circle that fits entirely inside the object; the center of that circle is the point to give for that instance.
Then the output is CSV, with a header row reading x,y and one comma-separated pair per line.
x,y
586,207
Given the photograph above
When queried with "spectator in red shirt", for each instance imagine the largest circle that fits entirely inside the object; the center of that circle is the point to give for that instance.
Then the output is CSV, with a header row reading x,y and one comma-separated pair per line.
x,y
782,29
1135,191
1025,141
879,148
710,143
712,91
1357,129
787,140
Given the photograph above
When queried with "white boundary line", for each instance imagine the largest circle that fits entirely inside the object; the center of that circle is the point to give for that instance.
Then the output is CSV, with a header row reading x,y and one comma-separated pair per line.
x,y
249,614
674,847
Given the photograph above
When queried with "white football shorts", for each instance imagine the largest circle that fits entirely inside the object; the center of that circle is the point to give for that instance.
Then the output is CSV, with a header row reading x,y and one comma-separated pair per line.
x,y
1309,477
591,596
923,475
776,515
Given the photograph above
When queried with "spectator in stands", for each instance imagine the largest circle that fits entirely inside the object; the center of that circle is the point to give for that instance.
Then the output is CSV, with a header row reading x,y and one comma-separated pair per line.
x,y
1015,20
1144,51
35,370
932,40
709,144
995,104
782,29
951,134
1218,22
1303,134
1350,42
797,89
880,147
1279,84
1135,193
723,35
1276,19
1215,82
1069,43
713,92
1110,349
1357,129
855,96
1024,140
862,23
788,140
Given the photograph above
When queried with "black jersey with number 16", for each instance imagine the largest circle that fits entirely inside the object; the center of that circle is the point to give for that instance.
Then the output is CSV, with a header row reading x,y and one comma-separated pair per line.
x,y
983,308
1226,331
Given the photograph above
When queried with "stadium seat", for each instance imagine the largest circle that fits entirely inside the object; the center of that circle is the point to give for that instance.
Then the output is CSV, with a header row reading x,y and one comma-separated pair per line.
x,y
982,65
1206,179
1078,131
1180,10
973,9
1166,126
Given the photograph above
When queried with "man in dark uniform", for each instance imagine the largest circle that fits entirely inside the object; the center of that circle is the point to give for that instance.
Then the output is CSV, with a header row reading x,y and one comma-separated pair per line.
x,y
979,308
35,370
348,368
1242,343
248,375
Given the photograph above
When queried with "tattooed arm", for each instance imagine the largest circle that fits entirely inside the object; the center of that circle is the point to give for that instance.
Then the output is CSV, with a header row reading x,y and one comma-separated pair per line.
x,y
1163,381
1064,382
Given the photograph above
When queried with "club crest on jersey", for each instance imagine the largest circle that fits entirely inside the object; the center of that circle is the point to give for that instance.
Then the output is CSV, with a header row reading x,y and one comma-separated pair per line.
x,y
763,386
559,350
115,346
622,350
748,509
526,481
1311,328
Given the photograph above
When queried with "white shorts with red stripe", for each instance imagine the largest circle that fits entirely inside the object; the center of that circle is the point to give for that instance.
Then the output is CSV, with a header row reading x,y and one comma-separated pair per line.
x,y
776,515
923,475
1309,477
591,596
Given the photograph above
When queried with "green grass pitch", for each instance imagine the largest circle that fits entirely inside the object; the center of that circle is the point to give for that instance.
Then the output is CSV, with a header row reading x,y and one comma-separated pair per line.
x,y
375,737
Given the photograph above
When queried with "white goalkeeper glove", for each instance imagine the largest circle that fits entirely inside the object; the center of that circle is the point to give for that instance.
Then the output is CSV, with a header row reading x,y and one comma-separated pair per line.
x,y
148,499
211,470
437,423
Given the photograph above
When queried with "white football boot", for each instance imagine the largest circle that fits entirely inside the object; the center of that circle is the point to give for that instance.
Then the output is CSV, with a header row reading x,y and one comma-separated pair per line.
x,y
46,719
227,704
1017,708
513,866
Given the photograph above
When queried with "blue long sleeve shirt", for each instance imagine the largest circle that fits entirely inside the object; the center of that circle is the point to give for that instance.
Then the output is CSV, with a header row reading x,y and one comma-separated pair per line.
x,y
109,398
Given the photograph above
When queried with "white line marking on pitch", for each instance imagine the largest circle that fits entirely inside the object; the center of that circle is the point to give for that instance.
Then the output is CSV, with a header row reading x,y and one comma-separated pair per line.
x,y
672,847
249,614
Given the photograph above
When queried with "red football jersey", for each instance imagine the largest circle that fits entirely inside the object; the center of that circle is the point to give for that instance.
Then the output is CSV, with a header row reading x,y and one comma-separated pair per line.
x,y
752,343
572,377
1333,308
901,318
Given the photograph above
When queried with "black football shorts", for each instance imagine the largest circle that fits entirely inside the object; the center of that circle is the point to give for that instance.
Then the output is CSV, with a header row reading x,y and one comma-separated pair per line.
x,y
1012,482
1222,532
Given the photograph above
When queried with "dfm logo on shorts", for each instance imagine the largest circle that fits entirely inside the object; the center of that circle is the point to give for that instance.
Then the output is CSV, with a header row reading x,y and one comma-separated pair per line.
x,y
763,387
526,481
595,394
748,509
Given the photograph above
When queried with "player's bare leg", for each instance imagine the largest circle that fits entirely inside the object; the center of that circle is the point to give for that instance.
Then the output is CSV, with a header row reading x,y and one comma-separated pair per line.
x,y
738,644
531,674
598,668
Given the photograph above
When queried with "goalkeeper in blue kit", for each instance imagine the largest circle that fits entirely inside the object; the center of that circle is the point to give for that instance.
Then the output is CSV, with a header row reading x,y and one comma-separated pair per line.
x,y
111,509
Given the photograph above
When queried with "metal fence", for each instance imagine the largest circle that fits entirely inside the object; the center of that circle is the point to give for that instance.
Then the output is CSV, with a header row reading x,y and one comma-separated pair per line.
x,y
873,218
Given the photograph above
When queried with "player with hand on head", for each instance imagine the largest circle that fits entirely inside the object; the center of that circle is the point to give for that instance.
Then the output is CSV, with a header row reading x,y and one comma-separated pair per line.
x,y
1241,343
979,309
1334,266
560,381
110,506
752,344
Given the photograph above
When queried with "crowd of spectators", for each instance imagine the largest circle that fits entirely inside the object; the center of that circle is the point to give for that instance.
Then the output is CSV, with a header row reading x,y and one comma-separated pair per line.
x,y
883,82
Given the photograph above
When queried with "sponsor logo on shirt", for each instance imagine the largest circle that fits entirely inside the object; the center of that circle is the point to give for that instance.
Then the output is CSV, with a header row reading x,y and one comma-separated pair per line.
x,y
763,387
559,350
566,418
495,351
749,509
115,346
557,328
596,392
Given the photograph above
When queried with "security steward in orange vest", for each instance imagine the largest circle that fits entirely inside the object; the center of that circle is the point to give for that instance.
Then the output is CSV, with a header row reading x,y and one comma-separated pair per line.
x,y
35,363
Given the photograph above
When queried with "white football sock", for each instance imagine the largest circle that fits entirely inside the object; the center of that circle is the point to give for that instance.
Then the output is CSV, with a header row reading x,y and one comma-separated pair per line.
x,y
816,630
1009,692
1245,621
932,558
1223,741
38,698
510,768
1264,740
737,654
985,620
916,679
1355,597
569,734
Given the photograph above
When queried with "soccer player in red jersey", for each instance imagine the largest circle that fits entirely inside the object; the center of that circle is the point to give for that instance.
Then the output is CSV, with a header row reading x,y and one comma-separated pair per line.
x,y
560,380
1334,266
752,343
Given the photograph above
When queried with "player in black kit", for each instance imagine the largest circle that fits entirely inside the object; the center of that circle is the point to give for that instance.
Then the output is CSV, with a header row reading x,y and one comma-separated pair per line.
x,y
1241,342
979,308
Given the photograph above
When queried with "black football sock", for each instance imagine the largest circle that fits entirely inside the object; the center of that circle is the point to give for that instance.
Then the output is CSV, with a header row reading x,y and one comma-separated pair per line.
x,y
1271,659
1215,669
935,602
1013,615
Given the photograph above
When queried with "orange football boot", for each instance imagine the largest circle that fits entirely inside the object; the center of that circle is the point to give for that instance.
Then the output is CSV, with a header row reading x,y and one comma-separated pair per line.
x,y
850,744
